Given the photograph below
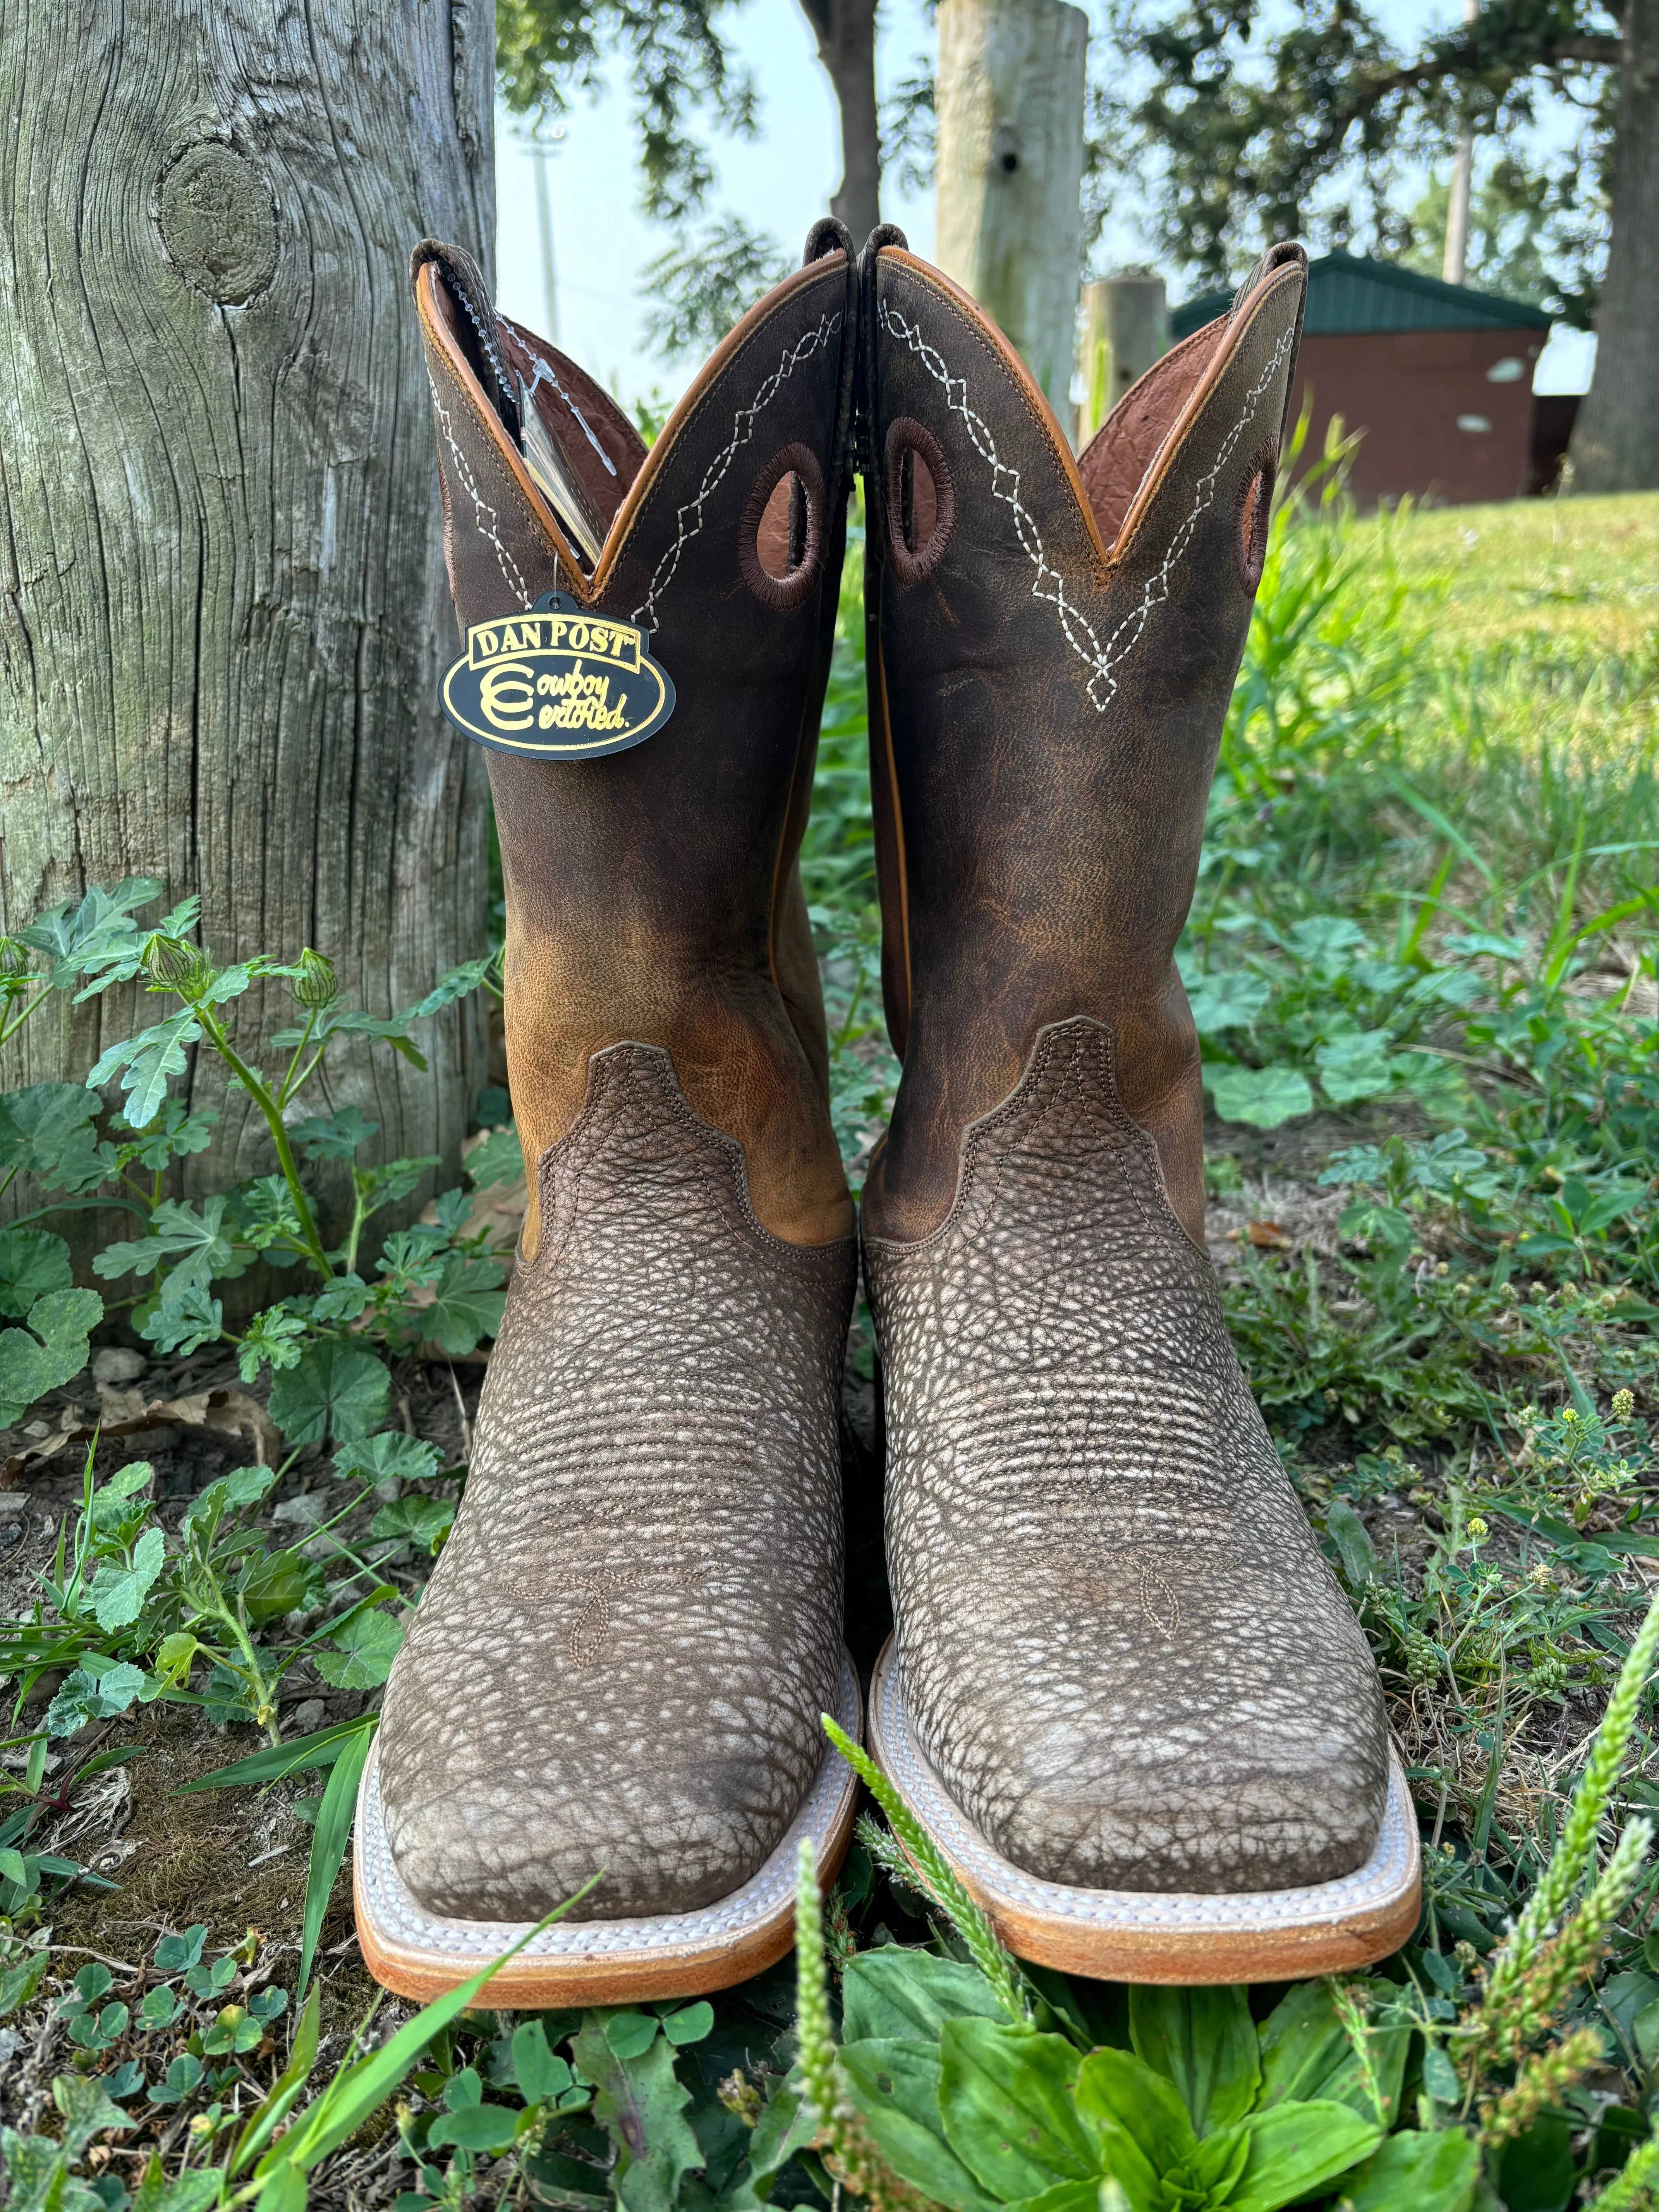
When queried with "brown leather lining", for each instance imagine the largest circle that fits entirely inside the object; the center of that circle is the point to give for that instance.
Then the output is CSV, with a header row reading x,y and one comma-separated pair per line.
x,y
1238,324
1113,463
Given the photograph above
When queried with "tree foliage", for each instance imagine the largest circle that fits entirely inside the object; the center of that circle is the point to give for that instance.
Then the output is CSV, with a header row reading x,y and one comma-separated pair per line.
x,y
1249,126
677,63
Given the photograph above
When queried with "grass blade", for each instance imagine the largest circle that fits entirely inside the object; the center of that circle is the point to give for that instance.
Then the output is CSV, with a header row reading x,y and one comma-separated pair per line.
x,y
936,1875
357,2089
270,2116
328,1845
282,1759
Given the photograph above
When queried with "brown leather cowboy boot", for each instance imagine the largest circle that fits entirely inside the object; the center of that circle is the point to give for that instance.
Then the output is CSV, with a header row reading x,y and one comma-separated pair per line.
x,y
619,1663
1125,1694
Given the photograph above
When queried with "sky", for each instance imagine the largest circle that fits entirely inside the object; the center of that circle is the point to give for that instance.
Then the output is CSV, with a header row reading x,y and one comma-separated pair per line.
x,y
780,181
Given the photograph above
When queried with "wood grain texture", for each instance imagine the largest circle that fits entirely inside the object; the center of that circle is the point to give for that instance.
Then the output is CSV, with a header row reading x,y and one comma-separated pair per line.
x,y
223,612
1009,170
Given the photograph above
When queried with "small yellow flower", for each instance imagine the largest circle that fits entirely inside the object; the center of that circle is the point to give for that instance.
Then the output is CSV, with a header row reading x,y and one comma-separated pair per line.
x,y
1623,1405
1542,1575
1477,1529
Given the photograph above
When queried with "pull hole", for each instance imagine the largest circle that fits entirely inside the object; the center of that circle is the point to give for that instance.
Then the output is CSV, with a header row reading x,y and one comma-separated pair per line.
x,y
918,501
781,540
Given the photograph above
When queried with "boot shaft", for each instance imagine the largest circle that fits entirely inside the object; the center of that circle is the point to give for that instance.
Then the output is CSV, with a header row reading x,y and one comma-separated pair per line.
x,y
652,893
1052,646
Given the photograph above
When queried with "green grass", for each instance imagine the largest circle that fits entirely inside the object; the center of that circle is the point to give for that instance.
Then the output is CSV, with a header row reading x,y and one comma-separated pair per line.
x,y
1422,961
1584,573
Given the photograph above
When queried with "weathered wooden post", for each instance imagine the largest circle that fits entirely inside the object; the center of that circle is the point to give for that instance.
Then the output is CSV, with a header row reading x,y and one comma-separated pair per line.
x,y
1126,328
222,607
1009,94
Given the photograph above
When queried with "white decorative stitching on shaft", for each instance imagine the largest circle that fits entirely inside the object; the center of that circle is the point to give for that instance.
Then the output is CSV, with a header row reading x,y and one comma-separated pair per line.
x,y
481,507
743,426
1104,659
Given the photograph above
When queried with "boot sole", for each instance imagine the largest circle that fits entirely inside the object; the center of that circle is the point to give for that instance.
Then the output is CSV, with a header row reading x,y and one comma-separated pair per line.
x,y
1181,1937
422,1954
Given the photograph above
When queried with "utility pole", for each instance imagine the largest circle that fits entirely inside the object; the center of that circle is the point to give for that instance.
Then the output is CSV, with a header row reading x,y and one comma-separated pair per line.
x,y
1009,94
541,152
1455,266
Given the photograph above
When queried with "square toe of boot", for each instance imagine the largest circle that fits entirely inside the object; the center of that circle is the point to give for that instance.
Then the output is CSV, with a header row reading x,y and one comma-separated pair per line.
x,y
665,1842
1069,1806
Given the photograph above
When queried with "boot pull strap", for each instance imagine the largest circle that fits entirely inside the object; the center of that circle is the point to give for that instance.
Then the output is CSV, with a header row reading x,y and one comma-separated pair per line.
x,y
829,235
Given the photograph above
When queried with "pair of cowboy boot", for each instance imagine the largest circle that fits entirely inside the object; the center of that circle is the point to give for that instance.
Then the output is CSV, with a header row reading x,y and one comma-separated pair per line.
x,y
1125,1694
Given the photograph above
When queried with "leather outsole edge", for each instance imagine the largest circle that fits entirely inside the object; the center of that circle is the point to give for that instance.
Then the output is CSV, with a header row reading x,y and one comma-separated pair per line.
x,y
1173,1938
421,1954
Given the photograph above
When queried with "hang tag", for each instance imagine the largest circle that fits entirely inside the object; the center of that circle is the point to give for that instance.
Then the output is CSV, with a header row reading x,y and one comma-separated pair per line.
x,y
558,683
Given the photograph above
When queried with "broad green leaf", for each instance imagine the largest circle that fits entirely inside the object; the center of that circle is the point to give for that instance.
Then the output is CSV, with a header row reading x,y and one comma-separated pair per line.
x,y
1204,2041
630,2033
1227,999
279,1583
47,1131
368,1643
1296,2150
1135,2116
146,1064
1079,2197
230,1493
119,1592
690,2024
97,1692
1357,1065
1262,1096
479,2127
1306,2055
187,2192
87,2111
50,1352
335,1386
894,2082
1354,1548
641,2106
184,1318
32,1262
424,1520
179,1232
391,1456
334,1136
328,1846
539,2071
498,1159
466,1305
891,1992
1416,2173
1325,940
1006,2099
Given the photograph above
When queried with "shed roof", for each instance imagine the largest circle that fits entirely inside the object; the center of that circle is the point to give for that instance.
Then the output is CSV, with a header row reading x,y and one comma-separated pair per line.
x,y
1347,292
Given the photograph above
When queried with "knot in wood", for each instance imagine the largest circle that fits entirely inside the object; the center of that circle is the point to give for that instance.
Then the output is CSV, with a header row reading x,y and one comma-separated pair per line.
x,y
218,222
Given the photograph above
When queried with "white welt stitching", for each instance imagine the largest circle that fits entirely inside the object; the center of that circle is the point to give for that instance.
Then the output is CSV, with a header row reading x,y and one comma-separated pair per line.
x,y
1105,660
481,507
743,428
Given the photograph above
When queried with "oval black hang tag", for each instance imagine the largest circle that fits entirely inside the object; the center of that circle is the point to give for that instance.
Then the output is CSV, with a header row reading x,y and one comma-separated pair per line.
x,y
558,683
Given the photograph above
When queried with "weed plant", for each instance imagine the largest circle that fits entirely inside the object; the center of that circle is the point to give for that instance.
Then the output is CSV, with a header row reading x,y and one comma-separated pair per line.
x,y
1421,960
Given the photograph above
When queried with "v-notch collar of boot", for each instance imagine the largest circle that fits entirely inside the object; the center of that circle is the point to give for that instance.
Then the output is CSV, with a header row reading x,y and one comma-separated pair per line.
x,y
1219,341
588,589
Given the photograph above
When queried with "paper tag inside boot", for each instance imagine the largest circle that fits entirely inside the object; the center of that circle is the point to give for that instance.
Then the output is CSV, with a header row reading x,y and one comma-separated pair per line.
x,y
558,683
